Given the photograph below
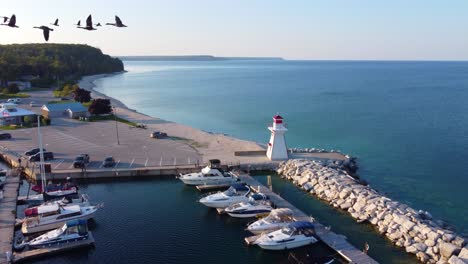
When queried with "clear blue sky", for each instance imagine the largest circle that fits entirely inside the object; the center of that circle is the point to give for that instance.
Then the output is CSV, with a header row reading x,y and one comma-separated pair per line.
x,y
294,29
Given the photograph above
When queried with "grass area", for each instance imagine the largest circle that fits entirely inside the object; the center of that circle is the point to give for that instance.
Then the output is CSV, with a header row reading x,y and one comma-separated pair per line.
x,y
112,118
60,102
18,95
15,127
87,104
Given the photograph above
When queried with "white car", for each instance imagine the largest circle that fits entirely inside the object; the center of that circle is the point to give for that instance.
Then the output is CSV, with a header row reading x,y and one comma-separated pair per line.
x,y
14,100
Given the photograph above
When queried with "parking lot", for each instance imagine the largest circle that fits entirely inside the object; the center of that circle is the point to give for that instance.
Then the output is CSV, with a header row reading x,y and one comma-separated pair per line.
x,y
67,138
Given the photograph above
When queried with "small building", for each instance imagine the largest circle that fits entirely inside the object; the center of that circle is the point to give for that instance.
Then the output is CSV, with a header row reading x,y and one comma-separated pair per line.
x,y
10,114
70,110
21,85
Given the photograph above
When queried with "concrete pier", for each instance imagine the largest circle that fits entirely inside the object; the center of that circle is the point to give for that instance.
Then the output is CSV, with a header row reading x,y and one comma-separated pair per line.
x,y
334,241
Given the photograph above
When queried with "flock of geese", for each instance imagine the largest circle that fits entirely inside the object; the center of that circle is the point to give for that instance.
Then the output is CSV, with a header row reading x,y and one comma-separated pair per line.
x,y
46,30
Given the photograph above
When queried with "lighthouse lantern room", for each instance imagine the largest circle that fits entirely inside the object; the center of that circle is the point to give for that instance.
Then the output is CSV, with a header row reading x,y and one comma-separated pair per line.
x,y
277,149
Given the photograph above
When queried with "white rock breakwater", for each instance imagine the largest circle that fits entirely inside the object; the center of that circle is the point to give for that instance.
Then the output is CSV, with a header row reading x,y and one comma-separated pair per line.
x,y
416,231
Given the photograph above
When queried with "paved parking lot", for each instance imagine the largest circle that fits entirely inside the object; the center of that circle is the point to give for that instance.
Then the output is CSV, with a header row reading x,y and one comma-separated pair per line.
x,y
68,138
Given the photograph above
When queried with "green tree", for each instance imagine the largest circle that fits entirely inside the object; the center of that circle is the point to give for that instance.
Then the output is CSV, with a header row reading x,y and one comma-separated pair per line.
x,y
12,88
100,106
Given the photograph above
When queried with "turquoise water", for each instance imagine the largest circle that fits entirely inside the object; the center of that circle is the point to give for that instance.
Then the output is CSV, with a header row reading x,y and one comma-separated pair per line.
x,y
405,121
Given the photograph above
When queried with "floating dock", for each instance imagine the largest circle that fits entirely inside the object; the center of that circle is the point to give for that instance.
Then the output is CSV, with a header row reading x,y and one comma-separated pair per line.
x,y
334,241
8,215
41,252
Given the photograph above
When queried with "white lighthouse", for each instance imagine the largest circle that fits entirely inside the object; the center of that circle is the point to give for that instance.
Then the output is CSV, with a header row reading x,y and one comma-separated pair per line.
x,y
277,149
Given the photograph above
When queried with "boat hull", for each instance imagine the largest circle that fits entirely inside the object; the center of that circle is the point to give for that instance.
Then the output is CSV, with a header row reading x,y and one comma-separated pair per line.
x,y
247,214
271,245
199,181
57,242
257,230
35,226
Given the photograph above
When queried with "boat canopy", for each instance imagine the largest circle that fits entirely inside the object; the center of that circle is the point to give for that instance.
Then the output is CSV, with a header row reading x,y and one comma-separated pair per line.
x,y
76,222
281,212
259,197
300,225
41,209
209,171
239,187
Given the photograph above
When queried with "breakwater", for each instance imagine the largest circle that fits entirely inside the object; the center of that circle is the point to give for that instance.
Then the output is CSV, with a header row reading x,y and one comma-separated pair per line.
x,y
406,227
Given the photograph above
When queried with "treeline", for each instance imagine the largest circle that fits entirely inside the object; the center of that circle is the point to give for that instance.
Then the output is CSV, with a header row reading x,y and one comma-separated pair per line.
x,y
52,62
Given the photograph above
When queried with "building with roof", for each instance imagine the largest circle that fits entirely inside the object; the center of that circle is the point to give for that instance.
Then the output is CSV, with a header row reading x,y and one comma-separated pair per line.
x,y
10,114
70,110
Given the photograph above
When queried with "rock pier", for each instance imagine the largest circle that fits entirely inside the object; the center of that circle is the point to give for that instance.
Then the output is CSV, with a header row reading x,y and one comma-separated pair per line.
x,y
416,231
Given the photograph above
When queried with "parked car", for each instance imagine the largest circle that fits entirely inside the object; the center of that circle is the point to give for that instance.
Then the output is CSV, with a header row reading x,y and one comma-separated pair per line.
x,y
108,162
80,161
32,152
5,136
14,100
34,104
37,157
158,134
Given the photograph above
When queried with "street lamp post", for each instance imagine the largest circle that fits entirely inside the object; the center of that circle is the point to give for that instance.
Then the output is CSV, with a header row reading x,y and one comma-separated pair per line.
x,y
116,126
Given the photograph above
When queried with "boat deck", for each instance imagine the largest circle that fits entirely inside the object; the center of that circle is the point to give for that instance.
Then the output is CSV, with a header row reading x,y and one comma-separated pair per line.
x,y
8,215
36,253
214,187
334,241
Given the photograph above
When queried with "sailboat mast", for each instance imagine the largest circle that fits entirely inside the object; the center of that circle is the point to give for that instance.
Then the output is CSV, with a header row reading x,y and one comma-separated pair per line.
x,y
41,155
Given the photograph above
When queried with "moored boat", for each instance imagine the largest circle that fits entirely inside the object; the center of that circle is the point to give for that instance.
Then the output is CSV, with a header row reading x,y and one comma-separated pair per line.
x,y
235,194
71,231
253,208
50,216
296,234
210,175
277,219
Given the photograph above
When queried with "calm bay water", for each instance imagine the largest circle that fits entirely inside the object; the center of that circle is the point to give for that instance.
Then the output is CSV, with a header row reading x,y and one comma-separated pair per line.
x,y
405,121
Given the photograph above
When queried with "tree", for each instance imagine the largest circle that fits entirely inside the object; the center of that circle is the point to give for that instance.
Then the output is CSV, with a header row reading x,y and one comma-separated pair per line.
x,y
81,95
11,89
100,106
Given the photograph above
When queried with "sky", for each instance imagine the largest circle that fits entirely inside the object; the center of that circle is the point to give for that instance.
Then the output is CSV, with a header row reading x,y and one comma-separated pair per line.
x,y
292,29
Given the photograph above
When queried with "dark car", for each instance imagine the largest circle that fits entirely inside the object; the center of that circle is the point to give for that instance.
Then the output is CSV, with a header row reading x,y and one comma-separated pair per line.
x,y
37,157
108,162
158,134
80,161
33,151
5,136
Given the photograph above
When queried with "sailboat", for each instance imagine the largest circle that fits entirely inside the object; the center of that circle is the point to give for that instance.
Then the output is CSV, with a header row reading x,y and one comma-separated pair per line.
x,y
51,191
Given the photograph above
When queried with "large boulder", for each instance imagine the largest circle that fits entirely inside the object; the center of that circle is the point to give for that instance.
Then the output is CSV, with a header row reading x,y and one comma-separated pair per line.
x,y
456,260
448,249
421,247
464,254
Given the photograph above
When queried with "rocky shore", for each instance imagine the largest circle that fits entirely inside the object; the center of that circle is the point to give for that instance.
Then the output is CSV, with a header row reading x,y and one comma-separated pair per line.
x,y
416,231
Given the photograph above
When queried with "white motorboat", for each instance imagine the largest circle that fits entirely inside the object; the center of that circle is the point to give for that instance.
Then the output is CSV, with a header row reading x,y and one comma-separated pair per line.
x,y
296,234
50,216
72,231
252,208
210,175
277,219
235,194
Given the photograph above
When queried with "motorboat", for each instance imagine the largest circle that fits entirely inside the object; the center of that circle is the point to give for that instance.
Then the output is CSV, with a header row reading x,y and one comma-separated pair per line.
x,y
71,231
235,194
248,209
82,200
296,234
51,216
210,175
277,219
54,191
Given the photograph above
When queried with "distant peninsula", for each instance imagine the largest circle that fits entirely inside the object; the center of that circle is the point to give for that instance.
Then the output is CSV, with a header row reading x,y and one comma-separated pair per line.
x,y
45,64
193,58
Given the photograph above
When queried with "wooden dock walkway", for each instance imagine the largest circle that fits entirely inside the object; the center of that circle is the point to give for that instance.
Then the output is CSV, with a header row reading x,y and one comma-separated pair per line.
x,y
41,252
335,241
8,215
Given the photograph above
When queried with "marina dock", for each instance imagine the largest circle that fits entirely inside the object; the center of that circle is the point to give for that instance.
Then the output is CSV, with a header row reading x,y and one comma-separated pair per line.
x,y
41,252
335,241
8,215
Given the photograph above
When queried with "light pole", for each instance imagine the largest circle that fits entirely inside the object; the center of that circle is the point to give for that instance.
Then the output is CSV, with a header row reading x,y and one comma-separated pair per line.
x,y
116,126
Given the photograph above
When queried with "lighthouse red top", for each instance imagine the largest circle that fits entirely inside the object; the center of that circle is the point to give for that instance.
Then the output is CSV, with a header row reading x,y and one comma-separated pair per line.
x,y
277,119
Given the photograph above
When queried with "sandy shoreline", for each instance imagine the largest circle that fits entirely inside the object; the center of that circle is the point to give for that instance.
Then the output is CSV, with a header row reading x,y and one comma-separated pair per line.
x,y
210,145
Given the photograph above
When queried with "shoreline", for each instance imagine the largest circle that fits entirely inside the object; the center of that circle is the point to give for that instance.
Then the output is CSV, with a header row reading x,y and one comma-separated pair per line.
x,y
210,145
